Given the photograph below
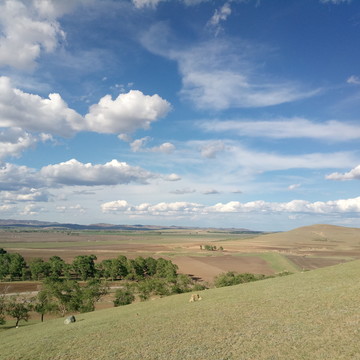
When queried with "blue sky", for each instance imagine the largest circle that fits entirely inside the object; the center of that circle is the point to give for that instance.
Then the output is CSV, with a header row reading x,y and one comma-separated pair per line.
x,y
237,113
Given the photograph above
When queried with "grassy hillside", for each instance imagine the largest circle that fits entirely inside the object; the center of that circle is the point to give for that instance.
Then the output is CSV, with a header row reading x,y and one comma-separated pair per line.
x,y
312,315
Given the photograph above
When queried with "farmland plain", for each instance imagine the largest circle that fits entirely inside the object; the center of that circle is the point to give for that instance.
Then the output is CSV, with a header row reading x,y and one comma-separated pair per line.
x,y
301,249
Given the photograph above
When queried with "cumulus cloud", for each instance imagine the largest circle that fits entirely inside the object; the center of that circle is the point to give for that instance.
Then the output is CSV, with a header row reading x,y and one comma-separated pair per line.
x,y
27,29
32,209
165,209
172,177
215,76
73,172
353,174
127,113
73,208
34,113
286,129
14,141
14,178
25,194
187,208
139,145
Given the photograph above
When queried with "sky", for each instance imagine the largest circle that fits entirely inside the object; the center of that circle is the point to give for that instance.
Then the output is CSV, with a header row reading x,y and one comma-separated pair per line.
x,y
221,113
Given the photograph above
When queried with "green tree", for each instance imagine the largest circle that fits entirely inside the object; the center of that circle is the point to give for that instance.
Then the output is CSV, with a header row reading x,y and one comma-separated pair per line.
x,y
44,303
57,266
18,309
91,293
39,268
17,263
2,308
84,266
166,269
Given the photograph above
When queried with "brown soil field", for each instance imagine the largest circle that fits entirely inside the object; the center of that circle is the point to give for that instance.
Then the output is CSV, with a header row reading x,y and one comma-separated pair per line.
x,y
308,247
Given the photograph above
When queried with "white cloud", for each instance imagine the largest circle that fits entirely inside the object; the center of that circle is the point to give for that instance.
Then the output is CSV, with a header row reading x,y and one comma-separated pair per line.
x,y
14,178
73,172
172,177
220,15
127,113
146,3
294,186
211,192
215,76
153,3
25,194
183,191
353,174
139,145
186,208
211,149
32,209
14,141
353,80
73,208
336,2
237,157
33,113
27,29
286,128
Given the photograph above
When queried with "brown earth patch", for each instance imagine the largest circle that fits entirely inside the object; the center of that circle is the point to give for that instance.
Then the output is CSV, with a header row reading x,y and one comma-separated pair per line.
x,y
206,268
310,263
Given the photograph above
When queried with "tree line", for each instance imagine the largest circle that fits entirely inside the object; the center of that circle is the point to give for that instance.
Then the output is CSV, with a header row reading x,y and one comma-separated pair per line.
x,y
60,291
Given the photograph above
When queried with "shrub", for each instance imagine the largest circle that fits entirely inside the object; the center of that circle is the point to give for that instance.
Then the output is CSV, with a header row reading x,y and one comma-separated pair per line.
x,y
123,297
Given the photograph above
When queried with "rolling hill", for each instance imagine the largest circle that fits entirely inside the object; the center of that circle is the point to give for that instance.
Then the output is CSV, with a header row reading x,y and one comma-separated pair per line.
x,y
311,315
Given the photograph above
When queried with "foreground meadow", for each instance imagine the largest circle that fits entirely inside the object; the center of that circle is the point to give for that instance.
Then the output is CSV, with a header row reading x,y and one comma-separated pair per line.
x,y
311,315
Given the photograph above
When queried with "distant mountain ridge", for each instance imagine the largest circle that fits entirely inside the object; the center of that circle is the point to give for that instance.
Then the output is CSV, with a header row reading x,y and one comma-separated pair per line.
x,y
103,226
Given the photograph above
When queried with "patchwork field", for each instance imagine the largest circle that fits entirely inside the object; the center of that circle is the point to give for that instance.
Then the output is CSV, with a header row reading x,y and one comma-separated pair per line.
x,y
300,249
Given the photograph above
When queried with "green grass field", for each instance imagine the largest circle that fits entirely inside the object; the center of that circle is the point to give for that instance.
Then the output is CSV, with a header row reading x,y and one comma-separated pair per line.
x,y
313,315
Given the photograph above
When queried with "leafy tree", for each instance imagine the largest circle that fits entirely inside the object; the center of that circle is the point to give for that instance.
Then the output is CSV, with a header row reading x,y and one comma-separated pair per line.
x,y
64,294
4,265
2,308
39,268
91,293
17,263
123,297
44,304
84,266
18,309
165,269
57,266
2,251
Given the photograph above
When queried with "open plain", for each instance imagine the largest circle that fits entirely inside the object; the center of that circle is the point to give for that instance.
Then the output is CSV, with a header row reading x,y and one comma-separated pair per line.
x,y
297,250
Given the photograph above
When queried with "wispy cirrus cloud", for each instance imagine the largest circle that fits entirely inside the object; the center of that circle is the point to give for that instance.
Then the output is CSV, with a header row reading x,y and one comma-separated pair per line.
x,y
283,128
215,76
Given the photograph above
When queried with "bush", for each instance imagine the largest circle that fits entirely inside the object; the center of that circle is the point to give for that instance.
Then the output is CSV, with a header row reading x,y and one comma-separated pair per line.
x,y
232,278
123,297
